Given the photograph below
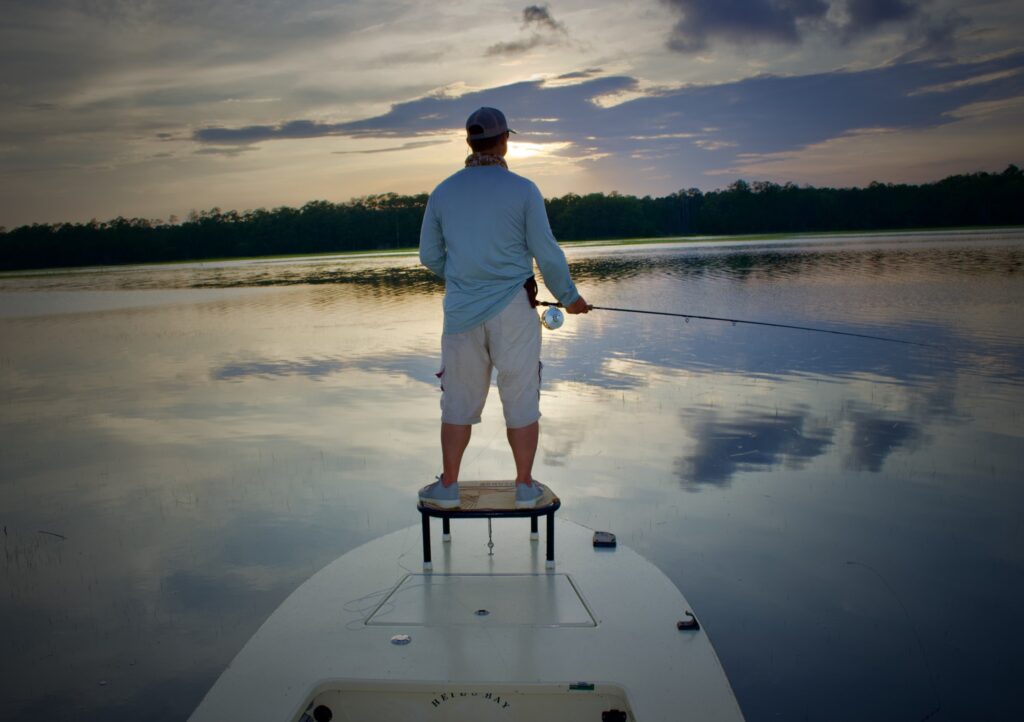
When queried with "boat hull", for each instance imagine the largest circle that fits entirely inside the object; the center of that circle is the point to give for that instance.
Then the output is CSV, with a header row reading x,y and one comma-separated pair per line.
x,y
374,637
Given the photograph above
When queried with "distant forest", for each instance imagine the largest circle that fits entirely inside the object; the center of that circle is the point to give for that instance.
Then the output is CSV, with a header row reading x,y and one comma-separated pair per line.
x,y
392,221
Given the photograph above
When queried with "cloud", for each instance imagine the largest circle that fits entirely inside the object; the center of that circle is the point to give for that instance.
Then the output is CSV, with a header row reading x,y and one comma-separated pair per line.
x,y
413,57
932,37
714,144
978,80
255,133
690,133
579,74
740,21
545,30
531,100
979,136
788,22
867,15
404,146
230,151
515,47
539,16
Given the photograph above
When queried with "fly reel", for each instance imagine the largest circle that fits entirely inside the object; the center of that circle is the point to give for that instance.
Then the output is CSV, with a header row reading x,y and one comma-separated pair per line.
x,y
552,318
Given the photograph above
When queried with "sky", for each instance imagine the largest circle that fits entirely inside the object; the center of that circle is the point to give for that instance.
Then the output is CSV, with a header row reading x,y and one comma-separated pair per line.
x,y
154,109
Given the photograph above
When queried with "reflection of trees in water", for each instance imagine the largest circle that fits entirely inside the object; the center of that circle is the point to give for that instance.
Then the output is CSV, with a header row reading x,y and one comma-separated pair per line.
x,y
404,280
768,262
403,275
413,278
737,264
682,264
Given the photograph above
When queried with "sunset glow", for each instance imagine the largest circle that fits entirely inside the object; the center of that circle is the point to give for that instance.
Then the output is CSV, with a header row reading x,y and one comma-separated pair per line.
x,y
157,109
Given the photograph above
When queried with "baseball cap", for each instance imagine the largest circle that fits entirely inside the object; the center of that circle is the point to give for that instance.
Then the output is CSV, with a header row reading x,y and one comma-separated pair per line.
x,y
486,123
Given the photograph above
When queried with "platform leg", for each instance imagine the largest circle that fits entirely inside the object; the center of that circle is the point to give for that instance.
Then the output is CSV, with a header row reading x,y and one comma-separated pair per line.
x,y
550,563
534,536
446,529
427,565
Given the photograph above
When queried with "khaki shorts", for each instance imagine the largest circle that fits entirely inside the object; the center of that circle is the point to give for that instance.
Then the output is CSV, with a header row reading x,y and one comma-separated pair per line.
x,y
510,343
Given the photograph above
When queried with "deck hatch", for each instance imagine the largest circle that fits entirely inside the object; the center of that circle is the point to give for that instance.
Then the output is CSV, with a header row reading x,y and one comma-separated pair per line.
x,y
510,600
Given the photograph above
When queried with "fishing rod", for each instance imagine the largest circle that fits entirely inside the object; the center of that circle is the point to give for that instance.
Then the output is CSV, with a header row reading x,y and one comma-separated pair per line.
x,y
552,318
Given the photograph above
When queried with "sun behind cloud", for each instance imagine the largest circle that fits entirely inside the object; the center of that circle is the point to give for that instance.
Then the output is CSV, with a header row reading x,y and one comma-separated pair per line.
x,y
518,150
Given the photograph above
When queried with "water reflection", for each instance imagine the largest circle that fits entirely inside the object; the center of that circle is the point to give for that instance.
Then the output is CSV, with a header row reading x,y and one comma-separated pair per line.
x,y
725,447
399,276
311,368
195,441
874,439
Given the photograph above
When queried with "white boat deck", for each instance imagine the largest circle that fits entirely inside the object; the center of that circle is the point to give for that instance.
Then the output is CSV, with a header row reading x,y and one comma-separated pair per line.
x,y
594,634
450,600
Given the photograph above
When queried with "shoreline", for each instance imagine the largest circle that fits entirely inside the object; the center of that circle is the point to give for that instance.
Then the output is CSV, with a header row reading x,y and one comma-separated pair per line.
x,y
567,245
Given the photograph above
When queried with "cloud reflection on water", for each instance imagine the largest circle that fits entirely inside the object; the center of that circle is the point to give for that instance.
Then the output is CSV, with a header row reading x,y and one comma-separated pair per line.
x,y
875,438
623,353
204,453
725,447
308,367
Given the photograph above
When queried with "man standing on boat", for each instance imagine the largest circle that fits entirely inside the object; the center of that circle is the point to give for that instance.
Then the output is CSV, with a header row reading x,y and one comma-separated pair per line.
x,y
482,229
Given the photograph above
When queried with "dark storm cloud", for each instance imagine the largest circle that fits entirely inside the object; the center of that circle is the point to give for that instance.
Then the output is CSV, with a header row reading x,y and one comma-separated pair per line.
x,y
539,16
740,21
868,15
545,30
787,22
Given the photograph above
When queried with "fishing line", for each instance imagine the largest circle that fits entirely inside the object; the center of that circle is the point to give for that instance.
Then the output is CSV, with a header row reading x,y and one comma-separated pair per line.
x,y
917,636
688,316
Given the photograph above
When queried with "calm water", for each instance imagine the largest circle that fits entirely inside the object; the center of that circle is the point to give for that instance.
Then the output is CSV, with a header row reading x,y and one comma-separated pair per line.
x,y
184,445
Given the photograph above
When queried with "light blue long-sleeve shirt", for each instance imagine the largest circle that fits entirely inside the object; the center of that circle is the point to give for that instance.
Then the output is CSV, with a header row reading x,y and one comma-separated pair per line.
x,y
481,231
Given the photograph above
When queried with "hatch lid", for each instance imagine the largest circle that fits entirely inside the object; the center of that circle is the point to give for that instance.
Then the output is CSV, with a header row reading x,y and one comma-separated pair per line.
x,y
506,600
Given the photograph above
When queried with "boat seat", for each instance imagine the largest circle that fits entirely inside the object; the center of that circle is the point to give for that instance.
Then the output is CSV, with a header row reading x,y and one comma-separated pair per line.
x,y
490,500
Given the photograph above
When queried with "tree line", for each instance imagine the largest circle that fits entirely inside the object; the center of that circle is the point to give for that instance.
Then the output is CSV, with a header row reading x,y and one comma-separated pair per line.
x,y
391,221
